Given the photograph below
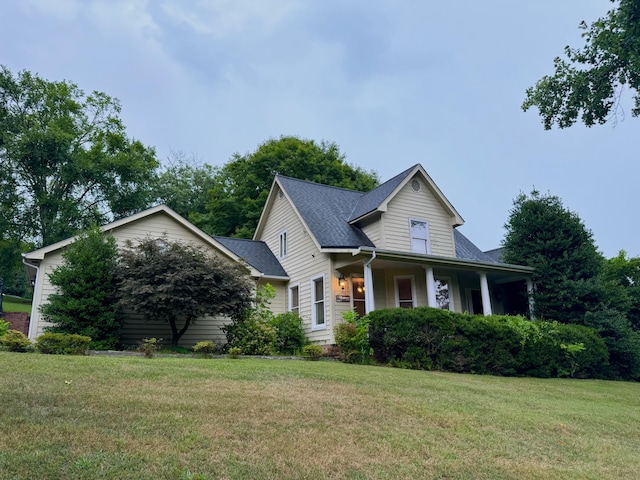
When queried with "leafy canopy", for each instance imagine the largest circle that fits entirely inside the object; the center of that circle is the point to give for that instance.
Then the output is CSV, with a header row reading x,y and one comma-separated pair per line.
x,y
542,233
179,283
85,301
589,83
65,160
242,185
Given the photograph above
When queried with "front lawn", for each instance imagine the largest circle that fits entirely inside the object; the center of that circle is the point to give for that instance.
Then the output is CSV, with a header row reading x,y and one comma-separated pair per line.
x,y
15,304
186,418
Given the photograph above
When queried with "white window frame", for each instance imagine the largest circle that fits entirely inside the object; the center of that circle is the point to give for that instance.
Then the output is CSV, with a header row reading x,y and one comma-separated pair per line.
x,y
448,280
283,244
427,240
413,289
315,302
291,308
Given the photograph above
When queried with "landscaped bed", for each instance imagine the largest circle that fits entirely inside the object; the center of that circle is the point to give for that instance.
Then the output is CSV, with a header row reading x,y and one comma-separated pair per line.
x,y
73,417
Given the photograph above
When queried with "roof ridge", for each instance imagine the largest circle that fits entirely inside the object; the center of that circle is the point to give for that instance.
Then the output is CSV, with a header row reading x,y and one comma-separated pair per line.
x,y
236,238
323,184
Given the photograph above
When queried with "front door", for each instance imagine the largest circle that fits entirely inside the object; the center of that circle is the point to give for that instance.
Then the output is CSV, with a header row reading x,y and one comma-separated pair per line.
x,y
358,293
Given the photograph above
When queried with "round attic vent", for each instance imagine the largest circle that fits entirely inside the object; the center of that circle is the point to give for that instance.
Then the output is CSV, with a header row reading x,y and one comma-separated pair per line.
x,y
415,185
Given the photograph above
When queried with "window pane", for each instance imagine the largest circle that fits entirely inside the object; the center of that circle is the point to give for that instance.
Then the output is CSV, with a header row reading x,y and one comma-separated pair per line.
x,y
320,313
295,298
418,229
418,245
404,289
319,289
442,294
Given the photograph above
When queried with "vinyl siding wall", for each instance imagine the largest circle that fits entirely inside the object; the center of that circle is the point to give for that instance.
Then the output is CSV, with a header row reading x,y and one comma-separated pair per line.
x,y
421,205
302,263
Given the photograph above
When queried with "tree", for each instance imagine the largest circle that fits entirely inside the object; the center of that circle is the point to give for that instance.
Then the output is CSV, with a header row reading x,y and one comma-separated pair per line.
x,y
183,185
543,234
243,184
65,159
85,302
621,280
179,283
590,82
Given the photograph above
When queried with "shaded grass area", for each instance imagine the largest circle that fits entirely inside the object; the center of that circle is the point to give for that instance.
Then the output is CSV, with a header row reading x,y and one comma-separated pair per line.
x,y
15,304
185,418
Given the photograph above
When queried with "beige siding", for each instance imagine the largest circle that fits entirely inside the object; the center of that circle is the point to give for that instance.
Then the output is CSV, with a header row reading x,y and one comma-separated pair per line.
x,y
422,205
373,230
302,263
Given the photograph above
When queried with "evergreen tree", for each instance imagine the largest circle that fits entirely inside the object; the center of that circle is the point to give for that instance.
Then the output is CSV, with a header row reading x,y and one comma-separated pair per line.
x,y
85,302
543,234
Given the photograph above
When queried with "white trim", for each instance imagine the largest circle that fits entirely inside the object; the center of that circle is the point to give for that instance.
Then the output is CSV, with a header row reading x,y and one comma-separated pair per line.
x,y
283,244
289,296
413,289
427,240
450,290
315,302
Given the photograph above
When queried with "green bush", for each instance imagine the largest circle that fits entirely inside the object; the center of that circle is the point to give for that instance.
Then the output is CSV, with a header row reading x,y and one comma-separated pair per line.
x,y
4,327
63,343
15,341
235,352
253,336
149,346
352,336
427,338
289,332
206,348
312,352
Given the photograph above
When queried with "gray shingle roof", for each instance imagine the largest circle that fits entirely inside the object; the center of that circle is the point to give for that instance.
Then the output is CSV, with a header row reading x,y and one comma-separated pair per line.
x,y
326,210
465,249
255,253
495,254
369,201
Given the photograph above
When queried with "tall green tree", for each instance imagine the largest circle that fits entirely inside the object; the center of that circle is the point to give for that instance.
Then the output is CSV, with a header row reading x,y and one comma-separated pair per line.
x,y
621,280
183,185
242,185
66,161
85,302
542,233
179,283
588,84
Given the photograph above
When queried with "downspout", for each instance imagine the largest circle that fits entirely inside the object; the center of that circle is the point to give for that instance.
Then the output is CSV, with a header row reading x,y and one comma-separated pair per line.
x,y
368,283
32,323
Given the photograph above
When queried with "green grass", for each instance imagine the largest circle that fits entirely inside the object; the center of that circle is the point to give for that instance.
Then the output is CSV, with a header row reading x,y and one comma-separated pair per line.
x,y
15,304
186,418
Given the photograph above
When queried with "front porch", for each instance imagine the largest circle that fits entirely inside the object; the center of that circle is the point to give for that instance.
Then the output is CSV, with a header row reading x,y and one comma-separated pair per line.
x,y
404,280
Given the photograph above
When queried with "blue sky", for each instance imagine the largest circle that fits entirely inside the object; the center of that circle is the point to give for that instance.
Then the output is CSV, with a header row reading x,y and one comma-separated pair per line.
x,y
393,83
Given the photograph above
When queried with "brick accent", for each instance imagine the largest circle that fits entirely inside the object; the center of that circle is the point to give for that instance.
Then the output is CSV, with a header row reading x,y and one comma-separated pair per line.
x,y
17,321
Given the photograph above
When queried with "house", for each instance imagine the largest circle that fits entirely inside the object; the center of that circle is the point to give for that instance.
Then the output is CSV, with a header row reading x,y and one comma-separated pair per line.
x,y
327,250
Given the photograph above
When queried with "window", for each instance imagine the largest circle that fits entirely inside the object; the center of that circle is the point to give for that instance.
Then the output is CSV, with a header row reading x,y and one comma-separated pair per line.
x,y
405,293
294,299
444,295
419,231
283,247
317,303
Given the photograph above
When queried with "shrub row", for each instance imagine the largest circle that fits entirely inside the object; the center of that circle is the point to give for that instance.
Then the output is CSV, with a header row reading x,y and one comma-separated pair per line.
x,y
429,338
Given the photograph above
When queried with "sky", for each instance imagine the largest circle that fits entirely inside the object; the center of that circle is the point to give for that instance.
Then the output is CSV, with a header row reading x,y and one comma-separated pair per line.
x,y
392,82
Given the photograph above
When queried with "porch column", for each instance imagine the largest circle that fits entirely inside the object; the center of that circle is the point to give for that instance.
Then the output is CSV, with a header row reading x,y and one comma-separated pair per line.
x,y
530,297
484,290
368,286
431,288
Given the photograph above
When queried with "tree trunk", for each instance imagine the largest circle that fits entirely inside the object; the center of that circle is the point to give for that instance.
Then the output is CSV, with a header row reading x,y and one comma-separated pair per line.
x,y
177,334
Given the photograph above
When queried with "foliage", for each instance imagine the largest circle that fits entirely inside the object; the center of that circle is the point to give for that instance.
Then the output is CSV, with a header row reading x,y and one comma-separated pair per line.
x,y
4,327
149,346
85,300
252,330
312,352
66,161
352,336
242,185
589,83
234,352
14,341
63,344
428,338
289,332
206,348
14,277
621,281
623,343
543,234
183,185
178,282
